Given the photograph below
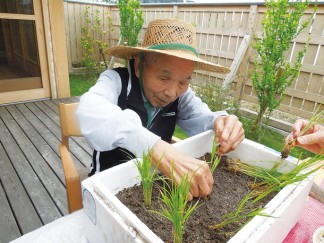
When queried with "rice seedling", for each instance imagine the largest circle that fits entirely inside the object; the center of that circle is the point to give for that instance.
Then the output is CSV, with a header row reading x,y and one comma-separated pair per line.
x,y
266,182
174,208
148,175
271,180
240,213
215,159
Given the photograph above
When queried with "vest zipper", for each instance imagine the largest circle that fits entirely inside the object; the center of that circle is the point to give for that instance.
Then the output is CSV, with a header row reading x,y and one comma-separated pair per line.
x,y
154,118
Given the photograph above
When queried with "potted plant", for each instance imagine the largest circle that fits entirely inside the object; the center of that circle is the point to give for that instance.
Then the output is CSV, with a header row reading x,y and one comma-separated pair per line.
x,y
111,218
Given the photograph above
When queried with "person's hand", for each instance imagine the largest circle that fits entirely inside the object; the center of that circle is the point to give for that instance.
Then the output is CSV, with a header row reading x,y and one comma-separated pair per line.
x,y
229,133
312,139
198,171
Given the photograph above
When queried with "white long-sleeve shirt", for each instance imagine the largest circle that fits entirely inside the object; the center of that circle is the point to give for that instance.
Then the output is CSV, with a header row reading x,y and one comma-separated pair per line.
x,y
106,126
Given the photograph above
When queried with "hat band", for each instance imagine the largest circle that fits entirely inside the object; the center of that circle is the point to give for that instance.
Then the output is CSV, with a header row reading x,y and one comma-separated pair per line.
x,y
174,46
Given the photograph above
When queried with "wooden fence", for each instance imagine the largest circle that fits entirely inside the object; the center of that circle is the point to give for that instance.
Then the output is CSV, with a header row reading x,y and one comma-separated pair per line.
x,y
224,35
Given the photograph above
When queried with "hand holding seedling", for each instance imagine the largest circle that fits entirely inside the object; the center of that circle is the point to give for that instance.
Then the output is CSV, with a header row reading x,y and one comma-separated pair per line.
x,y
229,133
312,139
201,179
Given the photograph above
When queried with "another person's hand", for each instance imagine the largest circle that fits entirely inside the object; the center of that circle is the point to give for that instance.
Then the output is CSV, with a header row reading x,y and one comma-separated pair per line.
x,y
312,140
198,171
229,133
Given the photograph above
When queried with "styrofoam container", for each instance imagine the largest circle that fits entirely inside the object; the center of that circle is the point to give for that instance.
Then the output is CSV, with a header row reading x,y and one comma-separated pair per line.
x,y
118,224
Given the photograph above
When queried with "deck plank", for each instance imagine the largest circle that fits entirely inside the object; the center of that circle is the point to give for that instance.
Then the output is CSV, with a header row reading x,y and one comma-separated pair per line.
x,y
8,227
32,184
51,120
26,216
53,104
48,186
40,136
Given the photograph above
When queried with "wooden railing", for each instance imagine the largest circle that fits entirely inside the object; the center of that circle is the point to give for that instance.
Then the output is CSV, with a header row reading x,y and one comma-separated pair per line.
x,y
224,33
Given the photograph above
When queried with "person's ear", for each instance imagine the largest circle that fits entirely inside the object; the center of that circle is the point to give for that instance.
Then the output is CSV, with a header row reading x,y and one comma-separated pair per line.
x,y
137,66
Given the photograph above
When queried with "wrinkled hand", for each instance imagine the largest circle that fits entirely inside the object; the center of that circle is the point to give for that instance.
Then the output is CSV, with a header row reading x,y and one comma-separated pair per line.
x,y
312,140
198,171
229,133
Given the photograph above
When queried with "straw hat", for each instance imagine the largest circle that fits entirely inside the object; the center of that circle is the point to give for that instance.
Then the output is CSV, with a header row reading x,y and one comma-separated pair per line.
x,y
172,37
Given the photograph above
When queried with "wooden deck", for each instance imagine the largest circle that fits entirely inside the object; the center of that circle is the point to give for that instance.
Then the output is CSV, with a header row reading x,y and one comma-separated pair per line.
x,y
32,185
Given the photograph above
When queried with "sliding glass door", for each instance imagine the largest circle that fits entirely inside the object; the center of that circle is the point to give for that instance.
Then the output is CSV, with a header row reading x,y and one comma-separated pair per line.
x,y
23,63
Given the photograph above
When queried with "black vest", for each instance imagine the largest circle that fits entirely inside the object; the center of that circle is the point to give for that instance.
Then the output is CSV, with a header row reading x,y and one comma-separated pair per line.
x,y
162,125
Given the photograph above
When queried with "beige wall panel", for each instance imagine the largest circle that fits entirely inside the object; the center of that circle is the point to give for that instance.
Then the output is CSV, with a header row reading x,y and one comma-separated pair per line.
x,y
69,42
321,92
320,56
247,90
308,106
224,43
206,19
320,107
236,22
258,23
310,55
307,68
318,24
227,25
302,81
213,22
75,58
220,22
315,84
297,103
286,100
234,44
80,22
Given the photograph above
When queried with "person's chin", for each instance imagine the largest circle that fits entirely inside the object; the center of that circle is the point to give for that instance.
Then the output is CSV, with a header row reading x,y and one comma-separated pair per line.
x,y
160,104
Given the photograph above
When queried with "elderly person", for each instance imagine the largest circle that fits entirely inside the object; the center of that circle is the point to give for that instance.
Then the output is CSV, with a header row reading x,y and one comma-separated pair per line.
x,y
135,109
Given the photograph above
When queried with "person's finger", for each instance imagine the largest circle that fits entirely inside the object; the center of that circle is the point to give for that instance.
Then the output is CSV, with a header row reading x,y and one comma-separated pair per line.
x,y
204,188
210,180
190,197
228,128
235,136
290,137
219,127
194,187
297,127
307,139
237,142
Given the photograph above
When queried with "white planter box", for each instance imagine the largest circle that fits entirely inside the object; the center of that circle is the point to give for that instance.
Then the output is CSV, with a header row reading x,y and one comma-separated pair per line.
x,y
116,223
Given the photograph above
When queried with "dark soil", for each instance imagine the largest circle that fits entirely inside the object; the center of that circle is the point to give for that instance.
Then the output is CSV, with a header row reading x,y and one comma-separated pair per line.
x,y
229,189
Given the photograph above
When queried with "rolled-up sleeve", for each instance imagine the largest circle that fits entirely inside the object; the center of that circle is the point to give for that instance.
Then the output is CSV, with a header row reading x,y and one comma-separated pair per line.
x,y
105,125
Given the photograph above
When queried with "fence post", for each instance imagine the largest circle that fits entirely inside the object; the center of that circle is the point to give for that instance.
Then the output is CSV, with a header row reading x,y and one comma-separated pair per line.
x,y
243,68
175,11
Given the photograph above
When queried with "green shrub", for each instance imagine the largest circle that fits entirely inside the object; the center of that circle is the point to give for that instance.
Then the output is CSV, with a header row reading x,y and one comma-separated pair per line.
x,y
272,72
93,38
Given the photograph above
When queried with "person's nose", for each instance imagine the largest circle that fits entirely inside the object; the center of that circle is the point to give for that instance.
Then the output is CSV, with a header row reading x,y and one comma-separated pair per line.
x,y
171,90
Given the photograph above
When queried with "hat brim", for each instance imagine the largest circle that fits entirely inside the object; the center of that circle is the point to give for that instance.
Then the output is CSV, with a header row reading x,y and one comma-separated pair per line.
x,y
128,52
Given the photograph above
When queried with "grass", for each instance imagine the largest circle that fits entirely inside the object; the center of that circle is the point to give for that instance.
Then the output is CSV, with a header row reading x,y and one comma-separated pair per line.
x,y
79,84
